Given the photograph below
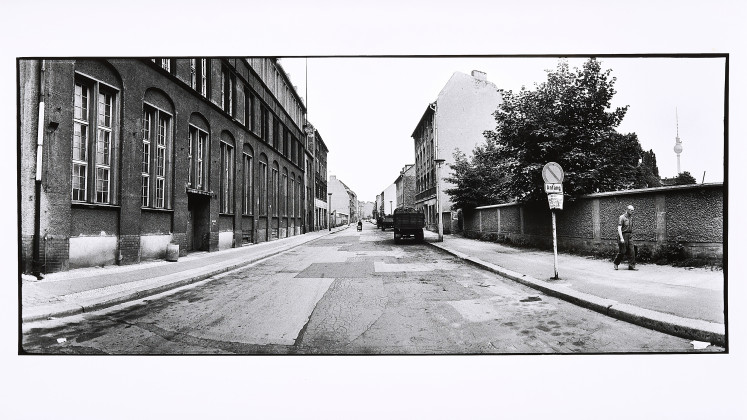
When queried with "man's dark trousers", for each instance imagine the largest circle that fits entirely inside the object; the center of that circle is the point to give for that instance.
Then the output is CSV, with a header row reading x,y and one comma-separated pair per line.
x,y
626,248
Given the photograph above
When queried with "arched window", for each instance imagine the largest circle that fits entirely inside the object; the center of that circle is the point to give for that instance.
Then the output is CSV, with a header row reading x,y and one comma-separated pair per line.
x,y
274,188
248,177
95,143
284,193
263,188
199,152
301,200
158,150
226,172
292,193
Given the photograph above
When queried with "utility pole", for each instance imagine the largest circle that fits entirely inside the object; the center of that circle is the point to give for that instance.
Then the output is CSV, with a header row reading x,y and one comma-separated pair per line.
x,y
438,200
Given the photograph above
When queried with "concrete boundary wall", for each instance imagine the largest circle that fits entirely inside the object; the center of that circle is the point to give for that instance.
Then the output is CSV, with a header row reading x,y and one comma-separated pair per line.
x,y
690,216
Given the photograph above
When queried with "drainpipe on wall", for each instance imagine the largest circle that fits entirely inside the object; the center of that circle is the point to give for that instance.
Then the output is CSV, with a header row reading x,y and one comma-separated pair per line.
x,y
36,269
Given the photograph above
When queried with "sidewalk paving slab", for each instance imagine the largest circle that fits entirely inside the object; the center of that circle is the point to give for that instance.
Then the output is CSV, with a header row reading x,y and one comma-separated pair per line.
x,y
684,302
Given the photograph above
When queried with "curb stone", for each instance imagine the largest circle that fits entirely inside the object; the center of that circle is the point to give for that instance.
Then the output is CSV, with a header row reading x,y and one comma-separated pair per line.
x,y
693,329
65,309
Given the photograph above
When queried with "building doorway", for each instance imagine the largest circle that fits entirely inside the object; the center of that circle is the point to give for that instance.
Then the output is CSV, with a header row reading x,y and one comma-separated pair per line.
x,y
198,222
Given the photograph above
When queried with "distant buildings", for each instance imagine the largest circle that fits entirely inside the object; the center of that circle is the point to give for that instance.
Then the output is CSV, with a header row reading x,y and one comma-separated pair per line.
x,y
405,184
316,146
366,209
389,199
457,119
121,157
344,202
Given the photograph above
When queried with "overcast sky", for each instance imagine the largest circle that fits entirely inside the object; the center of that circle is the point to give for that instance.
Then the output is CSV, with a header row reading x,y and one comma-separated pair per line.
x,y
366,108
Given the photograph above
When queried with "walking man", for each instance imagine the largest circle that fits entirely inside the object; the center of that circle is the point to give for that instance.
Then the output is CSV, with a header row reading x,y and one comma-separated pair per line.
x,y
625,233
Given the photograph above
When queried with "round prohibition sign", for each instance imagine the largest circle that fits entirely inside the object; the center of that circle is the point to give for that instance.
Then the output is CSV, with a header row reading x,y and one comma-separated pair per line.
x,y
552,173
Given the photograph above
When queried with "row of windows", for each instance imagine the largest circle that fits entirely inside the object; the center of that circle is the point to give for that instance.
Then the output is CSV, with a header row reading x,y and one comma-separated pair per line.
x,y
282,140
269,72
94,145
424,164
200,81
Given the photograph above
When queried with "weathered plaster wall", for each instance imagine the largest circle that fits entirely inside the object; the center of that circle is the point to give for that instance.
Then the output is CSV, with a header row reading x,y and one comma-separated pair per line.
x,y
154,246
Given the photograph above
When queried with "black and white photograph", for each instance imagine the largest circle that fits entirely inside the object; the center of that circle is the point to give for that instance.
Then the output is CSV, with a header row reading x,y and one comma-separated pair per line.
x,y
529,205
415,210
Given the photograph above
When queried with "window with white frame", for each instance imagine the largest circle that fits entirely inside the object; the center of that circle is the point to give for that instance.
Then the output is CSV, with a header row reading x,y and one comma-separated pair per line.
x,y
156,159
93,142
264,124
274,192
262,188
248,109
285,141
284,196
247,204
292,198
275,133
226,178
198,75
198,158
227,90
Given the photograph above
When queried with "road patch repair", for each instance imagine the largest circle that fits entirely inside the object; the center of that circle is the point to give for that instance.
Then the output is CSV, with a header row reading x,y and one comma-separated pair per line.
x,y
694,329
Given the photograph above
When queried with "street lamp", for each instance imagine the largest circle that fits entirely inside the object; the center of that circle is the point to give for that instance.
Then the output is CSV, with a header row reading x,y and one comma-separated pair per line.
x,y
438,199
329,210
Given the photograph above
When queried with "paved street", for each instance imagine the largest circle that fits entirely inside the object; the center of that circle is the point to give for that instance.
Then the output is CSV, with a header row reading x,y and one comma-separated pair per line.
x,y
349,293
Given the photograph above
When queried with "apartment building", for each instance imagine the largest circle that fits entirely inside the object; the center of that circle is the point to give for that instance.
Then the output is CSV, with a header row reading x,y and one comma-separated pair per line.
x,y
405,184
461,113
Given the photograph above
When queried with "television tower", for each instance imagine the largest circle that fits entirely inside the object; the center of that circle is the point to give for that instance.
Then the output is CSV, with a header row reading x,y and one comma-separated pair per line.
x,y
678,142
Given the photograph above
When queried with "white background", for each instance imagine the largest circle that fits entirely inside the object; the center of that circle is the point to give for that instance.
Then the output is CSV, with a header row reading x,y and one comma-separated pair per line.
x,y
554,386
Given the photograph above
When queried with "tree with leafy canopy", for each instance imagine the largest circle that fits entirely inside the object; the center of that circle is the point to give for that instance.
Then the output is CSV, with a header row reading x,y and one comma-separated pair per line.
x,y
685,178
648,172
567,120
475,180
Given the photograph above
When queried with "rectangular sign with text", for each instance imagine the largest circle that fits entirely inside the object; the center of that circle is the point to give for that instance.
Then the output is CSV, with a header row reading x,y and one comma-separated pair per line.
x,y
555,201
554,188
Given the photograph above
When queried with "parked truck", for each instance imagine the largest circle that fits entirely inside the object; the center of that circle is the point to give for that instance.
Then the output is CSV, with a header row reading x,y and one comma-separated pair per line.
x,y
387,222
408,223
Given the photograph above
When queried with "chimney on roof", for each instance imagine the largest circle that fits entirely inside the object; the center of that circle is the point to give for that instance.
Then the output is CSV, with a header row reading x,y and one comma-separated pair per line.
x,y
479,75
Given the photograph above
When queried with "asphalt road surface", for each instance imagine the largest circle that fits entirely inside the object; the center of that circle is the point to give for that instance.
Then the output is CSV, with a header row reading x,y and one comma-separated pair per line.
x,y
349,293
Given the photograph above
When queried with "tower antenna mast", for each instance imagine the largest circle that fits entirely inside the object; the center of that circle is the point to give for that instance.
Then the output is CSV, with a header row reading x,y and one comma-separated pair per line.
x,y
678,142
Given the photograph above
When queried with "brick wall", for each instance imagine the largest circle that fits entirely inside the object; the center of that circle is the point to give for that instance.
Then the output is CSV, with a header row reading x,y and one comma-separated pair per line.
x,y
690,215
129,249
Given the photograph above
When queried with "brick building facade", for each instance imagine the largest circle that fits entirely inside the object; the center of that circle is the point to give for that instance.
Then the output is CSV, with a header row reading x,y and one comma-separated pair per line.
x,y
318,175
136,154
405,183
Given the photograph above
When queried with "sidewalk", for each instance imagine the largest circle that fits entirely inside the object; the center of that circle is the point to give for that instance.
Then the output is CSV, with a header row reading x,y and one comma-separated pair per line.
x,y
686,302
88,289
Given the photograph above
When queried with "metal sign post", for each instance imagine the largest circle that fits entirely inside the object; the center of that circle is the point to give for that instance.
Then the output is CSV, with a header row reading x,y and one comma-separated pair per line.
x,y
554,246
553,175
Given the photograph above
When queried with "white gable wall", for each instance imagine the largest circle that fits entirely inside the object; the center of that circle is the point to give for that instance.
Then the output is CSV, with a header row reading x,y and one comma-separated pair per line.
x,y
464,111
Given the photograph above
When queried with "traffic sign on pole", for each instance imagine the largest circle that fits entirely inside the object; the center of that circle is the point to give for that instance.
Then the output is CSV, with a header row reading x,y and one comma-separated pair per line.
x,y
552,173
